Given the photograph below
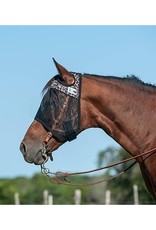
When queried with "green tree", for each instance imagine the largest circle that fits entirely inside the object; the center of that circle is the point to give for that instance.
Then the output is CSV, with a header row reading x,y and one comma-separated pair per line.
x,y
31,190
122,186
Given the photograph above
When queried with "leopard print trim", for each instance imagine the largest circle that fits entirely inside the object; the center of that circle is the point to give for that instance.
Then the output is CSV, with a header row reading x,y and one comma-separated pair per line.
x,y
73,91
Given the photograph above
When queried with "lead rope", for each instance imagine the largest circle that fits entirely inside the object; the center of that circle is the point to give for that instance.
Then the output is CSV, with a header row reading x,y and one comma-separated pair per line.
x,y
58,177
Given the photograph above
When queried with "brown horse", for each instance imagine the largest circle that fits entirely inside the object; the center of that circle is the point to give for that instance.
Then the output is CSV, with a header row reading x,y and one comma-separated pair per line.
x,y
125,108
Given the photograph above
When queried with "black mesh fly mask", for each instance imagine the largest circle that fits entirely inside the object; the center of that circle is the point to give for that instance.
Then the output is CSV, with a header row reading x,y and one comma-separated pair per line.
x,y
59,111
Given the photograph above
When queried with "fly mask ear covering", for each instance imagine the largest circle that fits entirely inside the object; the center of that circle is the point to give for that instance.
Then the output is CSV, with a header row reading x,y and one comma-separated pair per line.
x,y
69,125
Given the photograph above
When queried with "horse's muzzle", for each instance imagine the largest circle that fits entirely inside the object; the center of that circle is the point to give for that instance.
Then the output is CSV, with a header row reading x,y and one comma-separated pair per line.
x,y
38,155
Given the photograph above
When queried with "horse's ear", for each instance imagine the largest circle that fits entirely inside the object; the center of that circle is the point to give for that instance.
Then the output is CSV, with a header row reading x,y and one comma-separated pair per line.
x,y
64,74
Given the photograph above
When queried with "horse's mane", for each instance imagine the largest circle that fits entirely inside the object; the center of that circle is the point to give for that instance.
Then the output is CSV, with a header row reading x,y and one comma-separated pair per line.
x,y
130,79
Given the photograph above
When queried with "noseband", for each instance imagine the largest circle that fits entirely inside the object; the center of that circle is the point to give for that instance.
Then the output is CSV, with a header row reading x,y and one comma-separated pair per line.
x,y
50,135
45,152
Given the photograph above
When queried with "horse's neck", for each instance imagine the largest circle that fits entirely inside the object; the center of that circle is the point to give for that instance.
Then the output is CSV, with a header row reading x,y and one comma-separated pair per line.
x,y
120,110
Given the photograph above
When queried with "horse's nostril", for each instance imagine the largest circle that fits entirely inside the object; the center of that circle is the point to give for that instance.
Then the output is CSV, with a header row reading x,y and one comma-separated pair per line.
x,y
23,148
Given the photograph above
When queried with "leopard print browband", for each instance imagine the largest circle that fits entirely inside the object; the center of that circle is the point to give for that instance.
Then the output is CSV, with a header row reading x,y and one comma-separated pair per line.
x,y
73,91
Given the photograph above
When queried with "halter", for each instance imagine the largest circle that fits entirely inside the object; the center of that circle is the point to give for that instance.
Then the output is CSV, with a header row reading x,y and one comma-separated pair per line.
x,y
59,112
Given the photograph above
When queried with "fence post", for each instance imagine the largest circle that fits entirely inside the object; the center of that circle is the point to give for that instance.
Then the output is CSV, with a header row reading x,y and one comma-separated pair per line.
x,y
45,197
77,196
136,194
16,198
50,199
108,197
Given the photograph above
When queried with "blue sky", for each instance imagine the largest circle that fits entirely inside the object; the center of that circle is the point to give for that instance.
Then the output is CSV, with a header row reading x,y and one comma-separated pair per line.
x,y
26,65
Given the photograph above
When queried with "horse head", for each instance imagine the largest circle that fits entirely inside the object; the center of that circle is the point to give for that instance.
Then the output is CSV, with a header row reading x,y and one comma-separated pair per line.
x,y
57,119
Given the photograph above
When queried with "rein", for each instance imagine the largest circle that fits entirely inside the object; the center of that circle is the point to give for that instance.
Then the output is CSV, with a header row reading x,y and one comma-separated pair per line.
x,y
58,177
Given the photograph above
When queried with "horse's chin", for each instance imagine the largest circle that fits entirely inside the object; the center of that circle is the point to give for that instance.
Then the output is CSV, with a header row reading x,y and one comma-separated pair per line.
x,y
39,158
43,160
